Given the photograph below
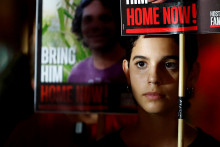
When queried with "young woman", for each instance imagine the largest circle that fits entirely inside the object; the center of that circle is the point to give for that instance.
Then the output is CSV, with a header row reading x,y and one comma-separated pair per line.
x,y
151,68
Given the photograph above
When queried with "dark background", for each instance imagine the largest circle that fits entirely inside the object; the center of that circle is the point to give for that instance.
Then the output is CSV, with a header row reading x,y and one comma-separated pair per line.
x,y
20,126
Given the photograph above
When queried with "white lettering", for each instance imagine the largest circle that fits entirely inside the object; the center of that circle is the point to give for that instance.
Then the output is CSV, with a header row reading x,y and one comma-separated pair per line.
x,y
52,54
128,2
72,59
59,55
142,1
44,55
64,56
57,73
44,73
214,13
51,73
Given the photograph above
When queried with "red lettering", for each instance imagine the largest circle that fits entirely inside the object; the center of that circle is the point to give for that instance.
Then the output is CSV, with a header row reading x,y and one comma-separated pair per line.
x,y
130,16
52,90
194,13
44,93
79,94
69,93
174,15
59,94
87,95
97,94
184,14
147,16
155,9
142,16
56,93
138,16
166,15
64,94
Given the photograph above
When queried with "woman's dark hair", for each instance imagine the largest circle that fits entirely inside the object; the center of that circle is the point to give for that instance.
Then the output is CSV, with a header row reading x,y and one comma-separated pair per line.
x,y
113,5
191,47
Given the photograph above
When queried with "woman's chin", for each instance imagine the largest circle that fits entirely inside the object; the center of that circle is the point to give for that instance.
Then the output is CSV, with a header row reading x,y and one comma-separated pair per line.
x,y
156,109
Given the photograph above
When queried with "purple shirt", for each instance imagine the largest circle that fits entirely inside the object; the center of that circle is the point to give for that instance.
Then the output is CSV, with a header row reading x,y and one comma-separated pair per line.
x,y
85,72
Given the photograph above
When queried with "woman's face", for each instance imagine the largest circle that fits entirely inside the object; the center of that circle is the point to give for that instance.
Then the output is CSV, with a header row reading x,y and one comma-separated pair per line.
x,y
153,73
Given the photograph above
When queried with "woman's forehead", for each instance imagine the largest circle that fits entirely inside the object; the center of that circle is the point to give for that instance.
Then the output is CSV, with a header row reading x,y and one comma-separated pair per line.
x,y
160,45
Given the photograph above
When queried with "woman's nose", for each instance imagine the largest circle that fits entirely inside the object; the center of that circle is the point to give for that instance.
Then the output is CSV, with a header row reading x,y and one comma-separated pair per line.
x,y
154,76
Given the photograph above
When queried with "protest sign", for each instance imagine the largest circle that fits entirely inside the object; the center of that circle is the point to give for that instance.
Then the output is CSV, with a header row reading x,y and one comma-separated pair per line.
x,y
171,17
58,52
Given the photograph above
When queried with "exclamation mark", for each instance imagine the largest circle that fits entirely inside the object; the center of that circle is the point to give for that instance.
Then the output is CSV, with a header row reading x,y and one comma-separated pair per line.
x,y
194,13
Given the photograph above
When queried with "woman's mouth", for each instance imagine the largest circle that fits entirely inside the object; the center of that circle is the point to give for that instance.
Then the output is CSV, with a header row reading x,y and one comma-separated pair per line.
x,y
154,95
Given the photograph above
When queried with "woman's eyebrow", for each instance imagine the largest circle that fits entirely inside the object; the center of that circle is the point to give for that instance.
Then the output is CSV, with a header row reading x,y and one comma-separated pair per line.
x,y
171,57
140,57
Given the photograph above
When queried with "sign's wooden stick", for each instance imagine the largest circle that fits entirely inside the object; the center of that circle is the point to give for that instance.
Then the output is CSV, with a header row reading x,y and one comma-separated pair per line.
x,y
181,87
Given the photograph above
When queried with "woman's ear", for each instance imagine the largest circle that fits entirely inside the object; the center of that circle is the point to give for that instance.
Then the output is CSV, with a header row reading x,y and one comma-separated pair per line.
x,y
125,67
193,75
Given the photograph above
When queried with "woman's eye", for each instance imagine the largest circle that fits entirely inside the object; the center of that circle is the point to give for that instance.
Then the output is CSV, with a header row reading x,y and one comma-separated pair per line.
x,y
141,64
170,65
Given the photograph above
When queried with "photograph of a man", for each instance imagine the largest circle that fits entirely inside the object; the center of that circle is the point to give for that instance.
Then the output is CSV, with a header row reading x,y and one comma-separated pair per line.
x,y
97,24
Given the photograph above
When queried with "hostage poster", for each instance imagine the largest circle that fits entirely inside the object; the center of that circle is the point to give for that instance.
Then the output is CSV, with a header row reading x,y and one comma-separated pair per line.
x,y
79,59
79,71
